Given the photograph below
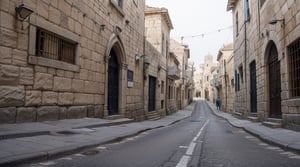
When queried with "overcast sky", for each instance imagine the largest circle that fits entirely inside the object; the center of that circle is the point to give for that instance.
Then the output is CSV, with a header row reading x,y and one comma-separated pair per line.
x,y
196,17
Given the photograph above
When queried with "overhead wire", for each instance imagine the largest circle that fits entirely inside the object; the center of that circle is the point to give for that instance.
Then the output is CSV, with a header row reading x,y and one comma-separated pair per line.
x,y
203,34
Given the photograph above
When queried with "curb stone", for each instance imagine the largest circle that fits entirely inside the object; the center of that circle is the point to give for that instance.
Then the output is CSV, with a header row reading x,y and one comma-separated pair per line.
x,y
257,134
67,150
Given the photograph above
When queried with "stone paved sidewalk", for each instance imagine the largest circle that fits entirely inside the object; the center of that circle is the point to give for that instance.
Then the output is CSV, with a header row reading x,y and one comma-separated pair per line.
x,y
284,138
21,143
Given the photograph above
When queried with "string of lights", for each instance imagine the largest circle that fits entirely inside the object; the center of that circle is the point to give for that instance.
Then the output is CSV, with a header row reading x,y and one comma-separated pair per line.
x,y
203,34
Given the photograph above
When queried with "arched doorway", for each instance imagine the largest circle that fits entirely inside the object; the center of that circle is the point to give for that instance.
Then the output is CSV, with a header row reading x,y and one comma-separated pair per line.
x,y
116,72
274,82
113,84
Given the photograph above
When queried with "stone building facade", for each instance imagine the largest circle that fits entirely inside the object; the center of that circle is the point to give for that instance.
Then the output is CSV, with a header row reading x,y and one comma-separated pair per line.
x,y
208,71
226,77
57,64
266,53
157,26
173,76
198,84
182,52
190,73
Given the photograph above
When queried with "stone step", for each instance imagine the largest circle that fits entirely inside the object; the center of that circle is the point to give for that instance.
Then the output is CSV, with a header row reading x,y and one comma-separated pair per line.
x,y
275,120
153,116
253,114
272,124
253,119
113,117
237,114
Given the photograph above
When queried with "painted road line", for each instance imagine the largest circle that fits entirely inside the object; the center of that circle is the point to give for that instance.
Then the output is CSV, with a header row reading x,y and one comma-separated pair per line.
x,y
185,159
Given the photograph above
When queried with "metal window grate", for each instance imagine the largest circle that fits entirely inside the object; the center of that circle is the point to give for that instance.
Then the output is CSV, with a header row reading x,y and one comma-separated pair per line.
x,y
54,47
294,57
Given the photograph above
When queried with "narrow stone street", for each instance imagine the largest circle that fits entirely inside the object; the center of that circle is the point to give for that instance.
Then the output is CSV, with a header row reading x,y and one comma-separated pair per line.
x,y
201,140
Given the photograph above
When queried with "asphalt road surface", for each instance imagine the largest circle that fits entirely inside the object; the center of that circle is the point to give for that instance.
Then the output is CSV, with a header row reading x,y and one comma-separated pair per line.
x,y
202,140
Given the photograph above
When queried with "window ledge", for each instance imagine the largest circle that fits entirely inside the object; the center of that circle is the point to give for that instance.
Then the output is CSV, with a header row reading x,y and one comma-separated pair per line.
x,y
53,63
118,8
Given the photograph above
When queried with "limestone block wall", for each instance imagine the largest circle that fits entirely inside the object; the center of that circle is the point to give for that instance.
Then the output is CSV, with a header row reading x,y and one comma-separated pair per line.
x,y
208,91
283,36
230,84
259,34
33,89
157,69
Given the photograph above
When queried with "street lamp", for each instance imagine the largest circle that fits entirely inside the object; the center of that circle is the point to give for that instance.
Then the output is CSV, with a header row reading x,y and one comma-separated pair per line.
x,y
23,12
274,21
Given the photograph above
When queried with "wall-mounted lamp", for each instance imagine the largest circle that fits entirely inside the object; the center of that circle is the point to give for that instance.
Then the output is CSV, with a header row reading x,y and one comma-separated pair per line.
x,y
137,57
102,27
274,21
23,12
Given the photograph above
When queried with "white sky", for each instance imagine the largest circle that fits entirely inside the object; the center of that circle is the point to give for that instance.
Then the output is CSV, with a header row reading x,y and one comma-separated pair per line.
x,y
195,17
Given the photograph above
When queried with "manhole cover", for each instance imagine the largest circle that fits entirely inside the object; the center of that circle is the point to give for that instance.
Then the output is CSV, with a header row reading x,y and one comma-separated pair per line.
x,y
90,152
63,133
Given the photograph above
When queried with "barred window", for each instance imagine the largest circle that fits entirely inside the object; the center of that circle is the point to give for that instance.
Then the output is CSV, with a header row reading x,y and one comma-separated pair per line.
x,y
294,57
52,46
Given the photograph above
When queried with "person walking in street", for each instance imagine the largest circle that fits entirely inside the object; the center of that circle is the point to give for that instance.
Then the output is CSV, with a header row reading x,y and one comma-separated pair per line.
x,y
218,103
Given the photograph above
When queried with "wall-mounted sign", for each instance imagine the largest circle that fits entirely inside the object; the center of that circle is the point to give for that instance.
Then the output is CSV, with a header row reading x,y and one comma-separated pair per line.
x,y
129,78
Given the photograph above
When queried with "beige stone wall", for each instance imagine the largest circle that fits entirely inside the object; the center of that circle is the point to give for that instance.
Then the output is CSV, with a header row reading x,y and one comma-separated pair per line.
x,y
206,69
198,85
35,89
171,86
226,77
230,85
159,72
181,51
260,34
157,30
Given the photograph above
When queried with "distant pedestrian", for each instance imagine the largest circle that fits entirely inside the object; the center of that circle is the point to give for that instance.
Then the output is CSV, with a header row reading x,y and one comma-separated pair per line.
x,y
218,103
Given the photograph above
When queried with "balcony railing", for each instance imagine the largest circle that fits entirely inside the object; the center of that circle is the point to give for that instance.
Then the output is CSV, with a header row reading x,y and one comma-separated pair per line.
x,y
173,72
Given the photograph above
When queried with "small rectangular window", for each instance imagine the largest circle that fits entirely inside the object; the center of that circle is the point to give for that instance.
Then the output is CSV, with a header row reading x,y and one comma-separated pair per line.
x,y
237,81
241,74
129,75
171,92
52,46
246,11
162,87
